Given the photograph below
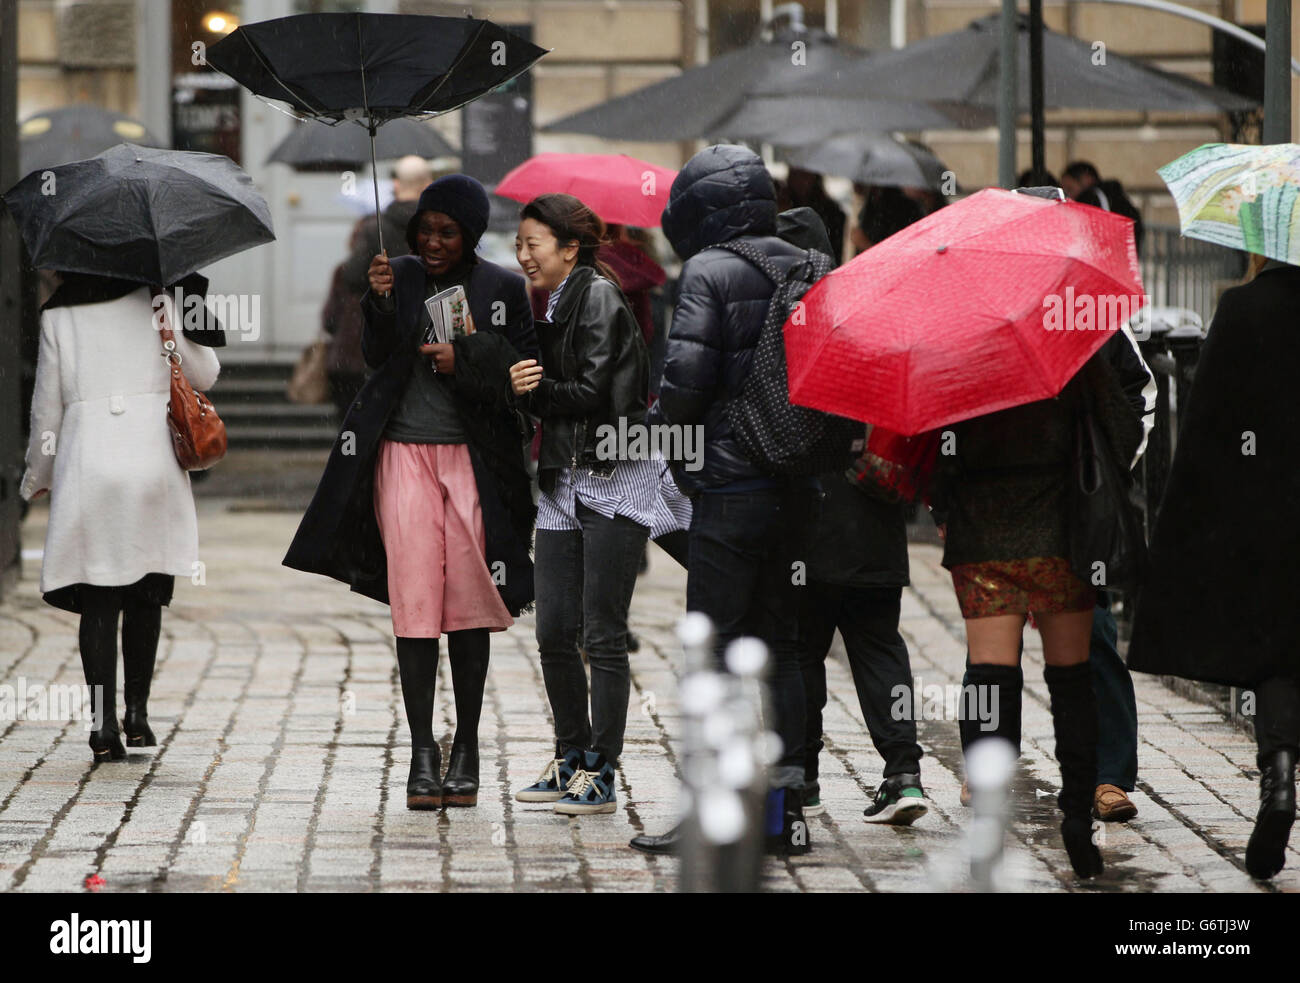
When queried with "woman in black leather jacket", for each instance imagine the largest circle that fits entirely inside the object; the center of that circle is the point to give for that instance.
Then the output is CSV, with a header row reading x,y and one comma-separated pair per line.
x,y
597,498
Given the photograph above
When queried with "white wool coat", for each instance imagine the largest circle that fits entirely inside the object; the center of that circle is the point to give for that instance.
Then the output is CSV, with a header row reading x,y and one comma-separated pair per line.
x,y
120,504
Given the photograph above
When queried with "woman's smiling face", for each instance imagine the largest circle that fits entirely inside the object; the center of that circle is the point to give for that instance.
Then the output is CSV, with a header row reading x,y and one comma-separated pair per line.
x,y
544,261
439,242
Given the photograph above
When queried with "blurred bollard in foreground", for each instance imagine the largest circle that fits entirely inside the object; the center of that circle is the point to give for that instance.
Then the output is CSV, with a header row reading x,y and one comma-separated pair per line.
x,y
724,761
990,763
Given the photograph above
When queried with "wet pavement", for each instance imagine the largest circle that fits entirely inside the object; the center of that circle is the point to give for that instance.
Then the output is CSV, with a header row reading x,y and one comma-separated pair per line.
x,y
282,756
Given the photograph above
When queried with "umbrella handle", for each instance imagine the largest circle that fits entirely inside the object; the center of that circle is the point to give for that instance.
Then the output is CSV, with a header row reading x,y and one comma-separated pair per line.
x,y
374,177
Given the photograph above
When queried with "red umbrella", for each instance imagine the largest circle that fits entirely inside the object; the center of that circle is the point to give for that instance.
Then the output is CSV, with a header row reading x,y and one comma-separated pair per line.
x,y
992,302
618,188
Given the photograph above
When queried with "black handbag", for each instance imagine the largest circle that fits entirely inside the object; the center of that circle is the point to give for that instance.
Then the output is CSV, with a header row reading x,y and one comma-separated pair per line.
x,y
1108,548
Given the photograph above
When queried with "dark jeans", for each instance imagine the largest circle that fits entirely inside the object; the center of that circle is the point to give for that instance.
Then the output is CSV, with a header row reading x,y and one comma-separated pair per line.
x,y
1116,704
741,572
585,580
1277,714
1117,716
867,618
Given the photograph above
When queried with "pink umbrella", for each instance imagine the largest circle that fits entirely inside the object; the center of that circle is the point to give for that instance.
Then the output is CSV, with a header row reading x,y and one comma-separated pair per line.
x,y
618,188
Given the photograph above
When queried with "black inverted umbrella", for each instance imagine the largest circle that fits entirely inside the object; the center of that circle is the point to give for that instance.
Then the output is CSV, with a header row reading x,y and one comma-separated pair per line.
x,y
77,132
136,213
314,144
963,67
372,68
873,158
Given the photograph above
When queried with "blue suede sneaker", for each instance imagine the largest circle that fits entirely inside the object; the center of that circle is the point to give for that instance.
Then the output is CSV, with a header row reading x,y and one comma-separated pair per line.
x,y
556,777
592,788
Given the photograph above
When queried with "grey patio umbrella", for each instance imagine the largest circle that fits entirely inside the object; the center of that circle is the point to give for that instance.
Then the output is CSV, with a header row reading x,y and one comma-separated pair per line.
x,y
962,67
872,158
77,132
805,121
710,100
314,144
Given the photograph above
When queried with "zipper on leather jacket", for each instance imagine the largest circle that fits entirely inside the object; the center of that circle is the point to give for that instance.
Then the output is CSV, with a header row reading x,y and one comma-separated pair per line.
x,y
580,442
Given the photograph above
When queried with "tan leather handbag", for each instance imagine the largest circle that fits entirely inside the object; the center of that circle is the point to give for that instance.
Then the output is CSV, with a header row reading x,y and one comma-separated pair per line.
x,y
198,435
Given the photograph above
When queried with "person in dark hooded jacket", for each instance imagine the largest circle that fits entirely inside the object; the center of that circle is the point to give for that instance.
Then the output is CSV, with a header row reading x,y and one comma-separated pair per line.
x,y
746,526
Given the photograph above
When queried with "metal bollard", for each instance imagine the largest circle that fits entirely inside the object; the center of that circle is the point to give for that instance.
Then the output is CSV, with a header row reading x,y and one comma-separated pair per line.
x,y
990,763
724,768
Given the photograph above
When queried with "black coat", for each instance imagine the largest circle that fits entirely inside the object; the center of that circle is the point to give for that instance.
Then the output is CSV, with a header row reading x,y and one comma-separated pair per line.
x,y
723,193
339,534
857,538
597,372
1219,604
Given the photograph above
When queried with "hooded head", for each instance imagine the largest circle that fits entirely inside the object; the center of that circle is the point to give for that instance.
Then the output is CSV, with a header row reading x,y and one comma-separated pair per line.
x,y
461,198
723,192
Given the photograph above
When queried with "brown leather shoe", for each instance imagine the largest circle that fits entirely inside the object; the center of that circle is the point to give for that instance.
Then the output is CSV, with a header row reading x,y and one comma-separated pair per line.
x,y
1111,804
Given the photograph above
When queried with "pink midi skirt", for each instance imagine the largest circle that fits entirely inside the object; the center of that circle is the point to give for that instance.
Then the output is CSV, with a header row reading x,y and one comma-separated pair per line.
x,y
426,502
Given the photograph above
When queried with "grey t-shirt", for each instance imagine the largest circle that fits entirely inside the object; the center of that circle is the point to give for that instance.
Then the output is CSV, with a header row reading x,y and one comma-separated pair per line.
x,y
427,411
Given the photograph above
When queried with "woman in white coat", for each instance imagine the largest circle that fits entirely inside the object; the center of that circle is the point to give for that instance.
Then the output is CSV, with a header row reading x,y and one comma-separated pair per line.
x,y
122,521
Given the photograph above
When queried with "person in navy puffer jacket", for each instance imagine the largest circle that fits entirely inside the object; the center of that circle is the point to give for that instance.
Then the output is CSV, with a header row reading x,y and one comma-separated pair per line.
x,y
747,528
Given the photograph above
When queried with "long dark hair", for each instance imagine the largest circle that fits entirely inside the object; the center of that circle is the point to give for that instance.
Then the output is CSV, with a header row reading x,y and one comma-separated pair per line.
x,y
572,221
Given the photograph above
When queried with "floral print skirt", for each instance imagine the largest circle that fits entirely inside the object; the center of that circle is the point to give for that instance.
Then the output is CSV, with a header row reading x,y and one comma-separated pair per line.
x,y
1040,584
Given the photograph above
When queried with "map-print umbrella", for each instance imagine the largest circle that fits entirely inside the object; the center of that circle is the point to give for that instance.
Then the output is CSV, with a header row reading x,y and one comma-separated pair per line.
x,y
371,68
152,216
1240,196
616,187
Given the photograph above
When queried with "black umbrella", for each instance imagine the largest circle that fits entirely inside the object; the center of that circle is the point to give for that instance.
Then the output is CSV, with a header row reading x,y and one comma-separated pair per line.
x,y
873,158
372,68
152,216
805,121
314,144
75,133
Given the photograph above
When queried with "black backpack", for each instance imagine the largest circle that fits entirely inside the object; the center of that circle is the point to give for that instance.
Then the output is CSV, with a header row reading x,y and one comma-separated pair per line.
x,y
777,436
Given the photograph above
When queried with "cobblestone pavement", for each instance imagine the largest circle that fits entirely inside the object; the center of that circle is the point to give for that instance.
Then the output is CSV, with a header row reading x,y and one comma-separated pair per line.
x,y
282,758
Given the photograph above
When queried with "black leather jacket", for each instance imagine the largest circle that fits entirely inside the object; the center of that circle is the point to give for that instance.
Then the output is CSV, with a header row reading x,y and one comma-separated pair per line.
x,y
597,371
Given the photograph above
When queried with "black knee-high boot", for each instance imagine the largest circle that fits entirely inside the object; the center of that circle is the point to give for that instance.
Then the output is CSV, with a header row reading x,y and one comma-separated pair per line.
x,y
984,688
1074,718
100,607
141,626
417,661
468,652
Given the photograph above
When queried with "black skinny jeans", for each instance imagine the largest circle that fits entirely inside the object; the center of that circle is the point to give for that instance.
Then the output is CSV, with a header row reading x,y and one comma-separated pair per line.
x,y
585,578
1277,714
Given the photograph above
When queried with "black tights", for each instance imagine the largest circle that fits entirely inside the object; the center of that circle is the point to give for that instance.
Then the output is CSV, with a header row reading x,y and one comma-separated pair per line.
x,y
141,626
417,662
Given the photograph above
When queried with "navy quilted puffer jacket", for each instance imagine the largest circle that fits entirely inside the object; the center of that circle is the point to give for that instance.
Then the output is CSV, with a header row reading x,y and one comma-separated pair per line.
x,y
722,193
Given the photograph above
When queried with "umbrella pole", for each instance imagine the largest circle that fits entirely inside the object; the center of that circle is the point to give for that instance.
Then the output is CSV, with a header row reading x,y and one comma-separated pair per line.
x,y
374,178
1036,86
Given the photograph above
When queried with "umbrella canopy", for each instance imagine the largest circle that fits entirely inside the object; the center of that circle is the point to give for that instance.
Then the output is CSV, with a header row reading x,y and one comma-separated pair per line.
x,y
873,158
616,187
992,302
152,216
801,121
697,103
75,133
372,68
963,66
1240,196
318,145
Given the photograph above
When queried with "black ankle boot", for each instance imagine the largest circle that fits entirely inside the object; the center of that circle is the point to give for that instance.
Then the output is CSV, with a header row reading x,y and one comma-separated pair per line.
x,y
423,789
460,787
1074,718
1266,851
106,743
468,652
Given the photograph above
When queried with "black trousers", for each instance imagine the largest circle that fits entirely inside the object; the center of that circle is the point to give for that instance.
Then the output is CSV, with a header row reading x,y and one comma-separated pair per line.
x,y
1277,714
867,618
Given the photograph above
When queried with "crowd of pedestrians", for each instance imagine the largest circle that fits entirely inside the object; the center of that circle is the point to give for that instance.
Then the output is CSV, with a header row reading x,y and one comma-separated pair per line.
x,y
428,506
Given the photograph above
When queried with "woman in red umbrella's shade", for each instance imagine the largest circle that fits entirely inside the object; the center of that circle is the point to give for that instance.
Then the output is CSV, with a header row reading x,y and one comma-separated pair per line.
x,y
1000,489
